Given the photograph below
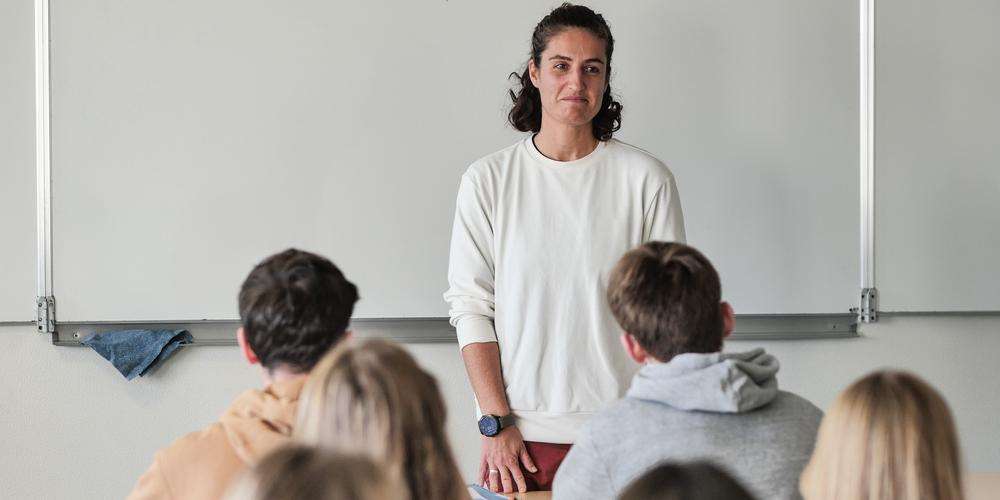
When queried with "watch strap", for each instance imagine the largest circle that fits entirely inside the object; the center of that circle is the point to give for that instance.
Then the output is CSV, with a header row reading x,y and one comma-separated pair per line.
x,y
507,421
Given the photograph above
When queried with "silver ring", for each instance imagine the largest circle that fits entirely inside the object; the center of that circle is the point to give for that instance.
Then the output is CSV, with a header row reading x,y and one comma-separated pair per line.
x,y
494,470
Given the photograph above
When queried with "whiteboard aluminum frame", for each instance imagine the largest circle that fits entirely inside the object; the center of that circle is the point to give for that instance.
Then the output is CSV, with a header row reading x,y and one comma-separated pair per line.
x,y
749,327
867,305
44,297
768,327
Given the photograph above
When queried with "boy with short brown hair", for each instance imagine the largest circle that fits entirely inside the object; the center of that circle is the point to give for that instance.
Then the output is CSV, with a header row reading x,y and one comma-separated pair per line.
x,y
294,306
689,401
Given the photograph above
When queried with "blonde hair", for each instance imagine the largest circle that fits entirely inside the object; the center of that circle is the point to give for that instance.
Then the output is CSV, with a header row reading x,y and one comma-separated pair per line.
x,y
889,436
370,397
308,473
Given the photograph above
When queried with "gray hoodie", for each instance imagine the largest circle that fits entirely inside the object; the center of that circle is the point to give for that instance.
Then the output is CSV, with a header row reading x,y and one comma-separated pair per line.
x,y
725,408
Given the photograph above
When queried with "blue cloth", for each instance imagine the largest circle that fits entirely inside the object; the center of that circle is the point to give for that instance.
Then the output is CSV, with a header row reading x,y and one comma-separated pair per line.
x,y
135,352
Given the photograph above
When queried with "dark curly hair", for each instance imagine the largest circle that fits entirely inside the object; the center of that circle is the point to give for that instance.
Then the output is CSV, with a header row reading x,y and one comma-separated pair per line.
x,y
526,114
294,306
692,480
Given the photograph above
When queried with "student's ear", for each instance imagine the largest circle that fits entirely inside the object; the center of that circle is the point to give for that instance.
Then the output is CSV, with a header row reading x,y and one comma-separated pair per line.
x,y
533,72
248,354
728,319
634,350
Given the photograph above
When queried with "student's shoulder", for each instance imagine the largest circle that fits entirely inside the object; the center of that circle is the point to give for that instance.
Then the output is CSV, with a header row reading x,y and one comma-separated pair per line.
x,y
614,410
617,417
793,405
204,444
639,161
178,469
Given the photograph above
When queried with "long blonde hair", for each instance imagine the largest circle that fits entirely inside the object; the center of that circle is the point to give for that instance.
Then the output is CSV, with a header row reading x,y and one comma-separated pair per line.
x,y
306,473
889,436
370,397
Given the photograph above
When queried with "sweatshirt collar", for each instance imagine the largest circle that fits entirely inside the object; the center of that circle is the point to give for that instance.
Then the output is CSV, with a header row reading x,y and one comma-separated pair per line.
x,y
713,382
529,144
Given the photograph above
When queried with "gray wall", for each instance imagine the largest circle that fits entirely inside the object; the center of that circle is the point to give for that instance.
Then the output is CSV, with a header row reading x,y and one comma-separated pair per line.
x,y
74,428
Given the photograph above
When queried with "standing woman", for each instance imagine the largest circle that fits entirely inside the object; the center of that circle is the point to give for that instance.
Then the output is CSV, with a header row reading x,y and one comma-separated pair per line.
x,y
538,226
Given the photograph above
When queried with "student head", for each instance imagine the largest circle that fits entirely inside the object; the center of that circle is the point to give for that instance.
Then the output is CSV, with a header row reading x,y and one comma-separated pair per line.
x,y
547,79
887,436
694,481
667,299
370,397
294,306
307,473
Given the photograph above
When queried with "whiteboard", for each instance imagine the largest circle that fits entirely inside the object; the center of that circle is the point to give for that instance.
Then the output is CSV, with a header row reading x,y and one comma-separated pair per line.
x,y
754,105
937,156
190,139
17,162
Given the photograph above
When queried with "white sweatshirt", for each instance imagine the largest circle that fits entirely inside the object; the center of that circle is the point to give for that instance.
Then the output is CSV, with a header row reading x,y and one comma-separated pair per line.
x,y
532,245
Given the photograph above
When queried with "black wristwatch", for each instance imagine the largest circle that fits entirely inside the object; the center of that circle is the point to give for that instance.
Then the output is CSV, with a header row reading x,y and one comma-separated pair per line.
x,y
491,425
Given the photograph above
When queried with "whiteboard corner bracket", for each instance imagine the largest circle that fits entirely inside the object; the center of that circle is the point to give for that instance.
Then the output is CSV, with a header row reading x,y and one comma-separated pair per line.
x,y
45,317
868,310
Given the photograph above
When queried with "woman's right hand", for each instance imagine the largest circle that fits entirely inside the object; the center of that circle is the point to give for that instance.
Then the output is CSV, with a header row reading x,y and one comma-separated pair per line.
x,y
502,458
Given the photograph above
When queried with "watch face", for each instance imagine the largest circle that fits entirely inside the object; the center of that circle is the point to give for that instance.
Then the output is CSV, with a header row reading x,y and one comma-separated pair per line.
x,y
489,425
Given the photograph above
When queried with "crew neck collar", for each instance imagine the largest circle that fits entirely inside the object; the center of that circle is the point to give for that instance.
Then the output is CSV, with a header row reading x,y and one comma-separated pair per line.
x,y
529,144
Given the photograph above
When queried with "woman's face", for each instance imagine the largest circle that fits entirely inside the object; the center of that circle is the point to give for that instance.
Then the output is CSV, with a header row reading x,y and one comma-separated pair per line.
x,y
571,77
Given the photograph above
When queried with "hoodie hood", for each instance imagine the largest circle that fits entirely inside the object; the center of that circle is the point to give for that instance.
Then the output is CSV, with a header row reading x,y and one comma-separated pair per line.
x,y
716,382
260,421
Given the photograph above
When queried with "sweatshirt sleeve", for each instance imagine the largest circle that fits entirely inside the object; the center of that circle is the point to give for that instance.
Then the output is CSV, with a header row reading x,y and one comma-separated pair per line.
x,y
470,293
664,220
583,474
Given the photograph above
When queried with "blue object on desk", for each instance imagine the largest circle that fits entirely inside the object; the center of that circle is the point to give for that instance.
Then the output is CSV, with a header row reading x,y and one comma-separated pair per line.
x,y
479,493
135,352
